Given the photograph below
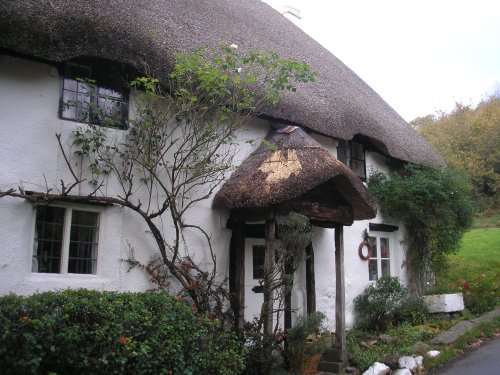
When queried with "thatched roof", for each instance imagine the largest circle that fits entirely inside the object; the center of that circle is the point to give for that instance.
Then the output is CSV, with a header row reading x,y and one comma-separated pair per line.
x,y
339,104
291,166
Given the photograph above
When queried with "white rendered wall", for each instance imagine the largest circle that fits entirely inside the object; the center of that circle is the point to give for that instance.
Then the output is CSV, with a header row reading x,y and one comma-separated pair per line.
x,y
29,156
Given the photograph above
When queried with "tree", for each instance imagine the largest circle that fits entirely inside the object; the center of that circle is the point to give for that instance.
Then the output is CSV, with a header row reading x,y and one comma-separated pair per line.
x,y
469,139
179,148
435,208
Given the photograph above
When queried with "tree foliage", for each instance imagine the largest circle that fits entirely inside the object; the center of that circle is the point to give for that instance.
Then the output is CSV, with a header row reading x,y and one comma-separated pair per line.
x,y
434,205
469,139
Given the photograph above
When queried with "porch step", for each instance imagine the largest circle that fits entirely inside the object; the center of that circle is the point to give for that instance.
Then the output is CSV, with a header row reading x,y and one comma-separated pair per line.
x,y
332,367
331,363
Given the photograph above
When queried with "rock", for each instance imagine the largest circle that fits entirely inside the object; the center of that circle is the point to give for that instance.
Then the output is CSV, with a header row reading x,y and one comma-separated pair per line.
x,y
445,303
419,360
349,370
433,353
453,334
377,369
392,361
367,344
386,338
408,363
420,348
401,371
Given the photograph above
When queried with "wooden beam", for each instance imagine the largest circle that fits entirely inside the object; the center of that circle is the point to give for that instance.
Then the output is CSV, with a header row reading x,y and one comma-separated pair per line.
x,y
316,211
310,281
239,274
341,347
288,300
268,266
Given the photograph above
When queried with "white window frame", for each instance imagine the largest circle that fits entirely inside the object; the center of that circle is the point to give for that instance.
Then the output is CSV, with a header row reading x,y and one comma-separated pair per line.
x,y
68,210
378,258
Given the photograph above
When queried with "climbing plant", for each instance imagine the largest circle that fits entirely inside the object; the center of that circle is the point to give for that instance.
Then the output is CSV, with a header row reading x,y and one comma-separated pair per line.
x,y
435,207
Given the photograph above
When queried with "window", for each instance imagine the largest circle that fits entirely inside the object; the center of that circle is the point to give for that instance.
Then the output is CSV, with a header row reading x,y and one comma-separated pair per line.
x,y
258,261
65,241
93,91
352,153
379,264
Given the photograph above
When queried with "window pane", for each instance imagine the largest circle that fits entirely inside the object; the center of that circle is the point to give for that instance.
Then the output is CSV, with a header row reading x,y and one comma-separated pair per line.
x,y
83,242
386,267
48,240
358,167
372,269
384,248
258,261
373,242
357,151
94,92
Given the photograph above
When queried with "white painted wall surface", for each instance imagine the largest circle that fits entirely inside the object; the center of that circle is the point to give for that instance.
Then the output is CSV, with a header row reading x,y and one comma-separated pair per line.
x,y
29,156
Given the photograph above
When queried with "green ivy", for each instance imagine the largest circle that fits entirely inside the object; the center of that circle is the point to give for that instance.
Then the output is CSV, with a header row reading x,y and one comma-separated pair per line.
x,y
434,205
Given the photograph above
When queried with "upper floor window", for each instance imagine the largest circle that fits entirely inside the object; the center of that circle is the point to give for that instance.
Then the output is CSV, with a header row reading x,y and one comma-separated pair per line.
x,y
352,154
94,91
65,240
379,264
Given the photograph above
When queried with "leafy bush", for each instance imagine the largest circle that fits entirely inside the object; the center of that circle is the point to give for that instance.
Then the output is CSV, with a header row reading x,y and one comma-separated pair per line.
x,y
90,332
388,302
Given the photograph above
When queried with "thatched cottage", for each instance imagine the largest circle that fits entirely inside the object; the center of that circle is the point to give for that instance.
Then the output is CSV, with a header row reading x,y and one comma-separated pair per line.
x,y
341,129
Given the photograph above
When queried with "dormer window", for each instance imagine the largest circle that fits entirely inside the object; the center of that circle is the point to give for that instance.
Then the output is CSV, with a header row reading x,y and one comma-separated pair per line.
x,y
352,154
94,91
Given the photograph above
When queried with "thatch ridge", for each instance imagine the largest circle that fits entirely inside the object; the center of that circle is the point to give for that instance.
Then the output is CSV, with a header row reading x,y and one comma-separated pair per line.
x,y
339,104
285,167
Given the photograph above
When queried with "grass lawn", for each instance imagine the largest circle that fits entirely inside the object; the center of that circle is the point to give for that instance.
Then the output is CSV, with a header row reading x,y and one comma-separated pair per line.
x,y
475,270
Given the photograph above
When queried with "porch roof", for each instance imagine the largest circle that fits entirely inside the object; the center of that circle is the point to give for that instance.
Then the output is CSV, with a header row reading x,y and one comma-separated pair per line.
x,y
291,171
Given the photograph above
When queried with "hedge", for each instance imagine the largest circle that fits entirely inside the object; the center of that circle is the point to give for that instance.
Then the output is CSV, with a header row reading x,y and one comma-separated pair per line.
x,y
90,332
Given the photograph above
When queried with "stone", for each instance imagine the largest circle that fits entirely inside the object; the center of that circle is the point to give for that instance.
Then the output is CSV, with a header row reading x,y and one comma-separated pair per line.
x,y
392,360
419,360
453,334
377,369
420,348
401,371
408,363
433,353
386,338
447,303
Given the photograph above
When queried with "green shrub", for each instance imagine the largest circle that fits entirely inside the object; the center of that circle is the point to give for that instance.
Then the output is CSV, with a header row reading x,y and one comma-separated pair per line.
x,y
90,332
388,302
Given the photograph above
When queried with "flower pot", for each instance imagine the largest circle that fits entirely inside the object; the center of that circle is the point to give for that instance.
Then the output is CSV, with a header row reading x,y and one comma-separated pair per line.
x,y
309,364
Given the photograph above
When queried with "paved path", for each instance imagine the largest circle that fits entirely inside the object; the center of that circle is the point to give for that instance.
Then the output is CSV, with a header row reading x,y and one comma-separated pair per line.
x,y
485,360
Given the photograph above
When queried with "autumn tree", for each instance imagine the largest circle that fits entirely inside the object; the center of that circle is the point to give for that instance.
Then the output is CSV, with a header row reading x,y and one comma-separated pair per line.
x,y
468,139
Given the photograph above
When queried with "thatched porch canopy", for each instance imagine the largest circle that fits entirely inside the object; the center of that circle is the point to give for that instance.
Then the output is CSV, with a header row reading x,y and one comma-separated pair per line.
x,y
291,171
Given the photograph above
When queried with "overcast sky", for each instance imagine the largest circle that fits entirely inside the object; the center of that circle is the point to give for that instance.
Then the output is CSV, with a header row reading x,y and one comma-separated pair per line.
x,y
420,56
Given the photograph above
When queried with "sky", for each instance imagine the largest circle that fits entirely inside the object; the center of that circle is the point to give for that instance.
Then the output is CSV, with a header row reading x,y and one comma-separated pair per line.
x,y
421,56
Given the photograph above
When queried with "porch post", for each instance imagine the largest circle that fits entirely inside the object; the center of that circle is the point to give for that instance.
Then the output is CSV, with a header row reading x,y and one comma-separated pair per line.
x,y
268,266
239,255
310,281
340,344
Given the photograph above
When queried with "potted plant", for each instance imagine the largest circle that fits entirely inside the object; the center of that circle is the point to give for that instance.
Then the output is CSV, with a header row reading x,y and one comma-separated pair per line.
x,y
304,345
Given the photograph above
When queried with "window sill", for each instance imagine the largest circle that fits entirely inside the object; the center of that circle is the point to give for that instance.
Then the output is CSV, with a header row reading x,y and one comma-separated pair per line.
x,y
59,276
